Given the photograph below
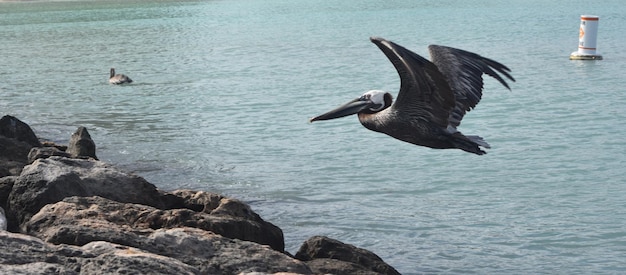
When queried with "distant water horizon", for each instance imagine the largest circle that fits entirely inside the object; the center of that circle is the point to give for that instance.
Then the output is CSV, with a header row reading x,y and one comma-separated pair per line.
x,y
223,91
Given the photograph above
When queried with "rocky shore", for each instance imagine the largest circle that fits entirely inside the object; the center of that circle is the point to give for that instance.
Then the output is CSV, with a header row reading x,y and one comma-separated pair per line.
x,y
69,213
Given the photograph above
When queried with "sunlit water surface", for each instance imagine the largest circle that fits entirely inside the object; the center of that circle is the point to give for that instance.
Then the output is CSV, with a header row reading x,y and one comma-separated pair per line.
x,y
223,91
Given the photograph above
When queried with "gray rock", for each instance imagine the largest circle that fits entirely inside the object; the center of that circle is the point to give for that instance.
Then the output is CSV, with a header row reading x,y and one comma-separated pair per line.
x,y
3,220
97,219
13,156
81,145
195,200
50,180
20,249
332,266
162,251
22,254
215,254
6,184
14,128
79,220
16,140
320,247
45,152
127,260
39,268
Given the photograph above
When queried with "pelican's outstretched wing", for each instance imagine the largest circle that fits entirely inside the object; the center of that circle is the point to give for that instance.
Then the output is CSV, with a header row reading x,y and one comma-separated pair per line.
x,y
424,92
464,71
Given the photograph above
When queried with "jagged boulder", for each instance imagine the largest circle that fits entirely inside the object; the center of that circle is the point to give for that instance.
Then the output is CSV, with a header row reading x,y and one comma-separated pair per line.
x,y
14,128
13,156
211,253
162,251
326,255
79,220
45,152
195,200
16,140
6,184
23,254
50,180
96,219
81,145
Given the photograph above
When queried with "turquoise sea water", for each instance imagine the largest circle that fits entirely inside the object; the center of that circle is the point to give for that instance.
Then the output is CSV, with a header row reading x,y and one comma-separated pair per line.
x,y
223,91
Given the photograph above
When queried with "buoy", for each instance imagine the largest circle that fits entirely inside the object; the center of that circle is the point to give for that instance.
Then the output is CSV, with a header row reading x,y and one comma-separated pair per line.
x,y
587,39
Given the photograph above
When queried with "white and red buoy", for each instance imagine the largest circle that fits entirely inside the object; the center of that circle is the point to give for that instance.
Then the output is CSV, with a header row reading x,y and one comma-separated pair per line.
x,y
587,39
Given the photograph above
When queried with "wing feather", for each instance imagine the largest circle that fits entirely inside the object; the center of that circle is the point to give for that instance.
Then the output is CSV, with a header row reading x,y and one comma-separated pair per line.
x,y
424,92
463,71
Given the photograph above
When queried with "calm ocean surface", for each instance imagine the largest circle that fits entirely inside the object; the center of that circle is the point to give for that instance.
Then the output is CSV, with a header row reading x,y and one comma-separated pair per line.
x,y
223,91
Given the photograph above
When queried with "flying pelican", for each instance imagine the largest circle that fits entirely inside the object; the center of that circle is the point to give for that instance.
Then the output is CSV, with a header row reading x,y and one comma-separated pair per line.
x,y
118,78
433,98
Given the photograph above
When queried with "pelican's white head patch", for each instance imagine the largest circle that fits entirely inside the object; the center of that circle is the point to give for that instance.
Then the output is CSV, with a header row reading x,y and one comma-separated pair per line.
x,y
377,97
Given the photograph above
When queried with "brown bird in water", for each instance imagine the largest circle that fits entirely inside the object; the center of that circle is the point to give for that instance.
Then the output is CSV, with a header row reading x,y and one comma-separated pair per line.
x,y
118,78
434,96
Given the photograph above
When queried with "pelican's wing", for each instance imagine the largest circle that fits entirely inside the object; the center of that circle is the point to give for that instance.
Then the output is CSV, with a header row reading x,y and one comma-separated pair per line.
x,y
464,71
424,93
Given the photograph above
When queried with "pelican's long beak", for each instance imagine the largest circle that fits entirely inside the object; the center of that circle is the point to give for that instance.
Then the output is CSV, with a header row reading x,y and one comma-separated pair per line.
x,y
347,109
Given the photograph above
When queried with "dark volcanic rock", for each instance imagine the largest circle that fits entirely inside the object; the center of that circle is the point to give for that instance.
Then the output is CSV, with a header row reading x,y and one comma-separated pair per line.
x,y
320,247
16,140
14,150
81,145
6,184
14,128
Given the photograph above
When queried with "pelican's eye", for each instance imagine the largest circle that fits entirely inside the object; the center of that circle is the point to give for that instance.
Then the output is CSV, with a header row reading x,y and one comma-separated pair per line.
x,y
377,107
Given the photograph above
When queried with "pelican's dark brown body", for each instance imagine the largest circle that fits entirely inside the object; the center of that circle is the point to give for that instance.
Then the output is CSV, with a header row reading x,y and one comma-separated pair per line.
x,y
118,78
423,134
433,98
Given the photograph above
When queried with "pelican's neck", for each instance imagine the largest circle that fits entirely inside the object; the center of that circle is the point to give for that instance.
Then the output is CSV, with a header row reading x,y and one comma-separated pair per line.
x,y
112,72
374,121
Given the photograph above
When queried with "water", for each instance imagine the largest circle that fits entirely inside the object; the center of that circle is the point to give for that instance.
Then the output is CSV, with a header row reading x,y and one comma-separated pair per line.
x,y
223,91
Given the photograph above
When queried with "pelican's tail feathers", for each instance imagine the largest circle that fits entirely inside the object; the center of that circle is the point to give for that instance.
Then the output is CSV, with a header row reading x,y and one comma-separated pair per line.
x,y
470,143
480,141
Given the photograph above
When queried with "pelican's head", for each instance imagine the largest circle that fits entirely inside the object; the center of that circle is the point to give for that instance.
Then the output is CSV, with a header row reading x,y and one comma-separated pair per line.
x,y
370,102
112,72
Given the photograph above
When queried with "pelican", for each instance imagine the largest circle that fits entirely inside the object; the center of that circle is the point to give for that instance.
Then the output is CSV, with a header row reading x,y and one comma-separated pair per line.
x,y
434,96
118,78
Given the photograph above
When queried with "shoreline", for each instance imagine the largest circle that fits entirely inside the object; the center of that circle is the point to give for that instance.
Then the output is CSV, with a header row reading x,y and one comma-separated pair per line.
x,y
62,197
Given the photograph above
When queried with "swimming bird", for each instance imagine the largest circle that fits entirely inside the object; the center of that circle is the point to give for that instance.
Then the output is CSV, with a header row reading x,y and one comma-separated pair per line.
x,y
434,96
118,78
